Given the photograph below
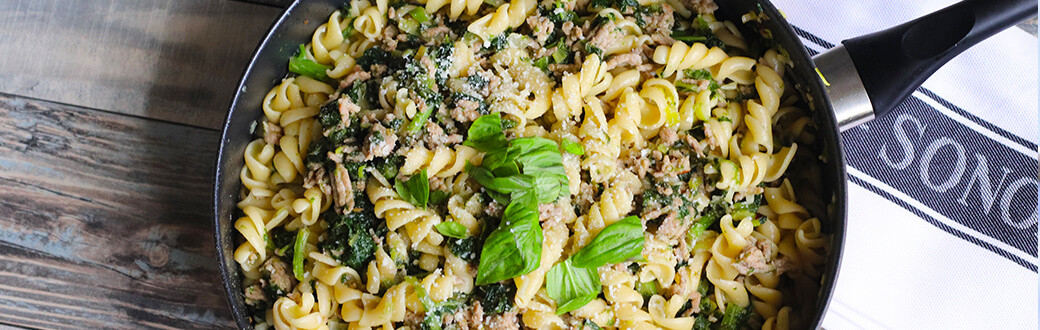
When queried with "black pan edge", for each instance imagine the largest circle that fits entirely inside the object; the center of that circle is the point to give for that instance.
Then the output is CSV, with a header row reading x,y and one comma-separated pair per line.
x,y
258,77
296,24
835,177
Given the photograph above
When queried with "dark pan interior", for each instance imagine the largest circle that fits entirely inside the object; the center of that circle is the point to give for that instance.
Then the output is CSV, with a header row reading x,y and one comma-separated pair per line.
x,y
296,25
267,68
828,142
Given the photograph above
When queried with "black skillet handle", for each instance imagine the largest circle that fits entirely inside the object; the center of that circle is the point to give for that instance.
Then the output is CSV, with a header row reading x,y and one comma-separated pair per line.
x,y
894,62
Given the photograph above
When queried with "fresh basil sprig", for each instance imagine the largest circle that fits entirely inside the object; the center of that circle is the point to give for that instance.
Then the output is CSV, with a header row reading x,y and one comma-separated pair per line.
x,y
485,134
299,64
515,247
575,281
571,287
520,173
415,190
616,243
451,229
517,165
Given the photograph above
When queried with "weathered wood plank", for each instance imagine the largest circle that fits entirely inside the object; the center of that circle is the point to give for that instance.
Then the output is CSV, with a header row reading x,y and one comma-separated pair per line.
x,y
175,60
104,220
10,327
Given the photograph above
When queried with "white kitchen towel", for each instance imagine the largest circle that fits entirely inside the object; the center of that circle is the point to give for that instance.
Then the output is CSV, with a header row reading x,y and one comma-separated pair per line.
x,y
942,230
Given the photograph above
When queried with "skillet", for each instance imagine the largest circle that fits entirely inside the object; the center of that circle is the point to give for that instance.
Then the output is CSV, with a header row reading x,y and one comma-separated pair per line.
x,y
860,79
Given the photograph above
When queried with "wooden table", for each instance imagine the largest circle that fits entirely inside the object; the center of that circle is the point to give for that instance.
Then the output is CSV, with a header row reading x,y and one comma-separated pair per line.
x,y
109,125
109,118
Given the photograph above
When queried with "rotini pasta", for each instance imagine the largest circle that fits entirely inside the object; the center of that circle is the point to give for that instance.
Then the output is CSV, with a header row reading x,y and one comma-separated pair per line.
x,y
583,167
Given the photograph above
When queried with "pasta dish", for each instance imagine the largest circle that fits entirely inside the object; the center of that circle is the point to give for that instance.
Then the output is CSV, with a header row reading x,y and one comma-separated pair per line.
x,y
567,164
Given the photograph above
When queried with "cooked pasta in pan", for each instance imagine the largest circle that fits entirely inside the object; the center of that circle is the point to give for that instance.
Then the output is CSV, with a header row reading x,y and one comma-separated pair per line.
x,y
582,164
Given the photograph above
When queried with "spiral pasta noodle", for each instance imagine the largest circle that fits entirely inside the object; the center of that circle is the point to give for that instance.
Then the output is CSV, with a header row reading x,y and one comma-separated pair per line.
x,y
586,166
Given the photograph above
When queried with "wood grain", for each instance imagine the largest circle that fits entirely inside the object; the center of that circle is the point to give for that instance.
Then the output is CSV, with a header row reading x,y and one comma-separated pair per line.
x,y
104,220
174,60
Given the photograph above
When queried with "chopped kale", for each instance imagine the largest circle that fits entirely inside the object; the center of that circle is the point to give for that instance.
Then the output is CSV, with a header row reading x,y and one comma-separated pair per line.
x,y
699,32
590,49
434,318
413,41
364,94
701,322
557,13
442,59
329,115
687,204
735,317
467,249
496,298
281,241
622,5
653,199
498,43
376,55
643,12
701,74
412,268
716,209
746,209
478,82
350,235
318,150
509,124
356,170
388,166
417,78
482,105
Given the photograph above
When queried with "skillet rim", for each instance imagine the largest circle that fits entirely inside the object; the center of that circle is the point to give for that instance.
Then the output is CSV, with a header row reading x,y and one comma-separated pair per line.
x,y
227,182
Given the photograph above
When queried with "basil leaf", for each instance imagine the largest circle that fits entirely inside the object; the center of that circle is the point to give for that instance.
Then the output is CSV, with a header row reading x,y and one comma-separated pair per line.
x,y
507,169
515,247
451,229
415,190
572,147
534,146
299,64
616,243
571,287
505,185
438,196
548,186
486,134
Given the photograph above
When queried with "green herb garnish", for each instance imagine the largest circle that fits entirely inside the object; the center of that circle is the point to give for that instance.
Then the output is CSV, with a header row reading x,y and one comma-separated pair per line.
x,y
616,243
451,229
515,247
571,287
415,190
